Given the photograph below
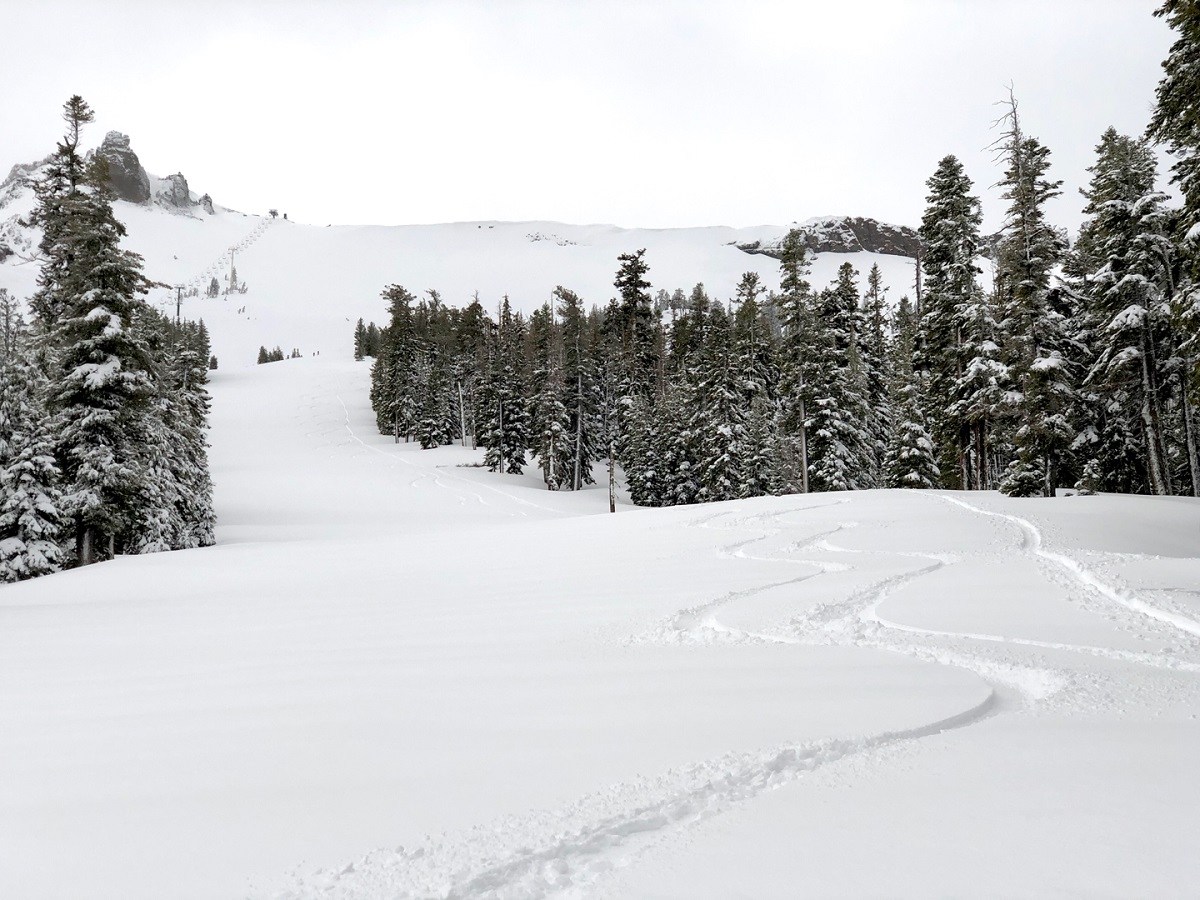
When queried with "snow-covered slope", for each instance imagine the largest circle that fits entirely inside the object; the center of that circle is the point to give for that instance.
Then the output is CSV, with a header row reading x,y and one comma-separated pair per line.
x,y
398,677
308,284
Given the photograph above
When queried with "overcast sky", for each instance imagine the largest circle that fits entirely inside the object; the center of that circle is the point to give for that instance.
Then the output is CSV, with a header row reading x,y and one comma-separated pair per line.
x,y
639,114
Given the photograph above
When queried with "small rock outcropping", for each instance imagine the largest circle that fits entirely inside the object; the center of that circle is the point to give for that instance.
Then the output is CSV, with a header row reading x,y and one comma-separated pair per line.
x,y
125,173
847,234
174,193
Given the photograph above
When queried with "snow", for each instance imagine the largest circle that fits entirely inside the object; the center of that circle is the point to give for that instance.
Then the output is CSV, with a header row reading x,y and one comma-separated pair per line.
x,y
399,675
308,284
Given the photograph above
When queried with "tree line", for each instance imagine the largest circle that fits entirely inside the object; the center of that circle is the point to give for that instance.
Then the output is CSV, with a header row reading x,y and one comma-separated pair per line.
x,y
103,400
1076,366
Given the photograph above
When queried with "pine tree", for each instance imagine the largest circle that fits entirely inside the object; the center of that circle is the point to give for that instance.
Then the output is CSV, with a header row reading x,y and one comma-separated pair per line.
x,y
505,417
841,451
360,340
100,385
718,415
798,370
31,521
580,393
392,394
977,395
638,325
1176,123
910,460
757,372
432,425
549,418
950,246
754,349
643,454
1126,260
1035,318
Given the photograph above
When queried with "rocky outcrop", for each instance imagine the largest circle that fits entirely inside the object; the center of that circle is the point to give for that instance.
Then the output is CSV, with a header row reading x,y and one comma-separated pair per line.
x,y
206,204
174,193
847,235
125,173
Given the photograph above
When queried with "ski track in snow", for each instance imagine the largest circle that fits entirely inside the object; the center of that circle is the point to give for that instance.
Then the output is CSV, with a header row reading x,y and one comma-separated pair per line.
x,y
1085,576
573,848
599,833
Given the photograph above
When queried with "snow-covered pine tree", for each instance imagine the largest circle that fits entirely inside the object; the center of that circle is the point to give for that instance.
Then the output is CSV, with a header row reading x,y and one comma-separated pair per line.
x,y
189,379
1127,261
12,325
639,326
504,417
757,371
687,331
549,421
31,522
871,347
1035,317
910,461
761,462
100,383
580,396
470,348
950,245
158,514
754,347
392,396
605,343
840,446
360,340
430,388
1176,123
718,414
977,395
673,451
794,305
177,511
643,459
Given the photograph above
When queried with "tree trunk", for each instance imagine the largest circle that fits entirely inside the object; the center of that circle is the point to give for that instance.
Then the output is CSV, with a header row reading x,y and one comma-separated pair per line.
x,y
1154,461
85,545
577,475
462,417
612,477
803,442
964,454
1189,431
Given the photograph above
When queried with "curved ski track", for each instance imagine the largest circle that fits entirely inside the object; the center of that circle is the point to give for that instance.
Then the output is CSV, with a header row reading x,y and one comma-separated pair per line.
x,y
572,848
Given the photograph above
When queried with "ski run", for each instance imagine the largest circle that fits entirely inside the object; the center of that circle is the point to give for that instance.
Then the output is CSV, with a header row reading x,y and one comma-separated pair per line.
x,y
397,675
